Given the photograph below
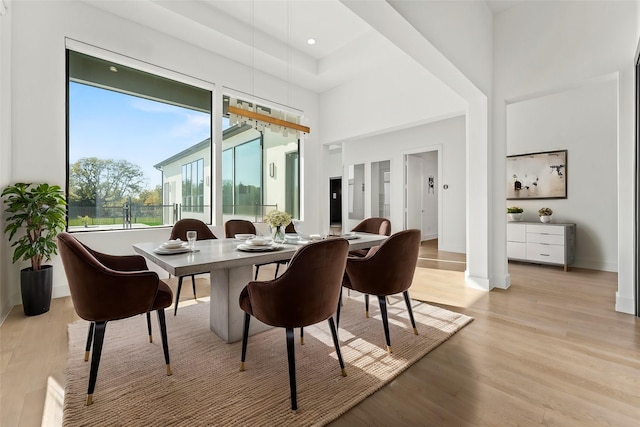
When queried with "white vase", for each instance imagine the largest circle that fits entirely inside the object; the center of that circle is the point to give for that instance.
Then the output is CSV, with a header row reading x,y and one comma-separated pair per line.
x,y
545,218
514,216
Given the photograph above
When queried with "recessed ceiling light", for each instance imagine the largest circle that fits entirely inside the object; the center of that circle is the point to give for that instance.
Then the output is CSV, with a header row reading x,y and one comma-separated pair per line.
x,y
114,69
311,41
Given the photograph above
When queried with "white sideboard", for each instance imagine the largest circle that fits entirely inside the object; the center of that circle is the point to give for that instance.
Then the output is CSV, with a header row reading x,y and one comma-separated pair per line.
x,y
542,243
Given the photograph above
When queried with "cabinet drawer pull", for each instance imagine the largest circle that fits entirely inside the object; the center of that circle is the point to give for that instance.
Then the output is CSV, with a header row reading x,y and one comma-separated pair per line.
x,y
545,255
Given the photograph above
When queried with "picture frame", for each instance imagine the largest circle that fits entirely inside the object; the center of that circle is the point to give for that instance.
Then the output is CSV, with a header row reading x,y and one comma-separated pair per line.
x,y
541,175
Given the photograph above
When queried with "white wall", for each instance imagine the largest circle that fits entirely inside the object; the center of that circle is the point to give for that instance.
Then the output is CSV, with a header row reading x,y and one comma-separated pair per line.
x,y
535,55
582,121
398,95
37,81
5,152
447,135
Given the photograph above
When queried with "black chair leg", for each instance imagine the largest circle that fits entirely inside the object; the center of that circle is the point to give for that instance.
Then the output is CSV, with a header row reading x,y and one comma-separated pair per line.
x,y
149,326
165,341
98,340
292,369
87,348
245,340
257,270
277,268
366,305
338,309
302,336
385,320
175,310
408,301
193,284
336,344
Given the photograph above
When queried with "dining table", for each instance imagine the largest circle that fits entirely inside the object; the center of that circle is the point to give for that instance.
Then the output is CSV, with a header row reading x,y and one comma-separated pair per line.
x,y
230,270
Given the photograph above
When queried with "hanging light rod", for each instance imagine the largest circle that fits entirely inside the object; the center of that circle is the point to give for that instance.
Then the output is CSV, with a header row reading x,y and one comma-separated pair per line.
x,y
268,119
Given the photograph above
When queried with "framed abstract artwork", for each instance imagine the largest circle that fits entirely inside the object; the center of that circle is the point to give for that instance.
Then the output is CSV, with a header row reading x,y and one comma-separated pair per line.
x,y
537,175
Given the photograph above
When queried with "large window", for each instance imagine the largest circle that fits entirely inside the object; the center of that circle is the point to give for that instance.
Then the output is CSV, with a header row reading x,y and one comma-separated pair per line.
x,y
260,165
139,147
193,186
244,177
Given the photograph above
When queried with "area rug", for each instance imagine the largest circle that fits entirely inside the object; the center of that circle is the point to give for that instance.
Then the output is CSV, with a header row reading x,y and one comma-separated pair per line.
x,y
207,389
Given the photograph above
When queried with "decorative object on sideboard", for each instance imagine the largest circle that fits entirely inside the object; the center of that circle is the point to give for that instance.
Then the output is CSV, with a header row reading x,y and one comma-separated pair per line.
x,y
545,214
514,213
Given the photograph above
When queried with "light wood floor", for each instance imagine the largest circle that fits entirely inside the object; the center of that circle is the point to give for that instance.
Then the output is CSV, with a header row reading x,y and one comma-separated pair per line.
x,y
550,350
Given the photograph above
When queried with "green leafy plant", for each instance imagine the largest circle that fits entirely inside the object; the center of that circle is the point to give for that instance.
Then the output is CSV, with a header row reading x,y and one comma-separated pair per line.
x,y
39,211
545,212
515,209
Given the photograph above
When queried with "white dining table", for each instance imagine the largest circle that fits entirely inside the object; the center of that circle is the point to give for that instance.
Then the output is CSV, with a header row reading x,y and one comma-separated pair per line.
x,y
230,270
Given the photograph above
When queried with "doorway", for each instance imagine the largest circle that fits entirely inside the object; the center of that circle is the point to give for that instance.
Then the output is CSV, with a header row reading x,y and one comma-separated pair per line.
x,y
422,200
335,201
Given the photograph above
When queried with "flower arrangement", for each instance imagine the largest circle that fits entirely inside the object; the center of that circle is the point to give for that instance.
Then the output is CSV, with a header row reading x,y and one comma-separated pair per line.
x,y
515,209
278,219
545,212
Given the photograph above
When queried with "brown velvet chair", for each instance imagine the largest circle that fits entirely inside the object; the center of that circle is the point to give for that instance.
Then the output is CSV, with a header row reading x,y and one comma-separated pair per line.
x,y
242,226
305,294
386,270
373,226
179,230
108,287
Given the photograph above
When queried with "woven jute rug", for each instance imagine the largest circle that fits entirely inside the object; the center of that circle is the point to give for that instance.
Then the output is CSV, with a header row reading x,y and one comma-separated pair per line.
x,y
207,389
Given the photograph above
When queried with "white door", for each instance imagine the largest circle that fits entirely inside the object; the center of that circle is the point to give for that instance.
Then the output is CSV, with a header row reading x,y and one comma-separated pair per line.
x,y
413,192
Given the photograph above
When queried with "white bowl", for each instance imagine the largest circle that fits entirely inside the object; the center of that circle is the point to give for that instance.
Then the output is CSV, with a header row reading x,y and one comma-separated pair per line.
x,y
244,236
258,241
172,244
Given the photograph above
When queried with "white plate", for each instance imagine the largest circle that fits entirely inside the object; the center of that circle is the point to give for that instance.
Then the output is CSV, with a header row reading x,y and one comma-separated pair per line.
x,y
264,248
350,236
173,244
171,251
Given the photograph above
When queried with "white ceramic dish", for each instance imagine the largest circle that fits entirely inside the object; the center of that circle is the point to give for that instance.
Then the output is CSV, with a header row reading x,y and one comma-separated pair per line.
x,y
350,236
173,244
259,248
243,237
258,241
171,251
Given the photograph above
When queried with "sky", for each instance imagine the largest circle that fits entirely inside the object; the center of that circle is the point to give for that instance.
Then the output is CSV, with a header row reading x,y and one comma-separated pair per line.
x,y
112,125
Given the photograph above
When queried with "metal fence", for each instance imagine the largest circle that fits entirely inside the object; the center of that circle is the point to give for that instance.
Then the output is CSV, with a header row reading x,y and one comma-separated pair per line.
x,y
133,215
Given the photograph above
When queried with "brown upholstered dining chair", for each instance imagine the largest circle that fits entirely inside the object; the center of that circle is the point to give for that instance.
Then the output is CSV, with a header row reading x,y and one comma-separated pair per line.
x,y
373,225
108,287
179,231
386,270
242,226
305,294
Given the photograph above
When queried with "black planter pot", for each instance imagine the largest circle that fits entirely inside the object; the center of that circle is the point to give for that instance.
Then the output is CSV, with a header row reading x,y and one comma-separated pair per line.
x,y
36,287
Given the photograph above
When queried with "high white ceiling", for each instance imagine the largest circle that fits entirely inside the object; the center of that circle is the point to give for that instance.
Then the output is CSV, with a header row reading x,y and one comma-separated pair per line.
x,y
272,34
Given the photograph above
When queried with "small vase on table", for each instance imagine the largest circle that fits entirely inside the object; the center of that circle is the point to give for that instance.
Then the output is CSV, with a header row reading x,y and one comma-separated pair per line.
x,y
278,234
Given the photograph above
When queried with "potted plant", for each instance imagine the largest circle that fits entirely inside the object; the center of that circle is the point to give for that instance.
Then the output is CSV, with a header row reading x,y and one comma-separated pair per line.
x,y
514,213
545,214
36,214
